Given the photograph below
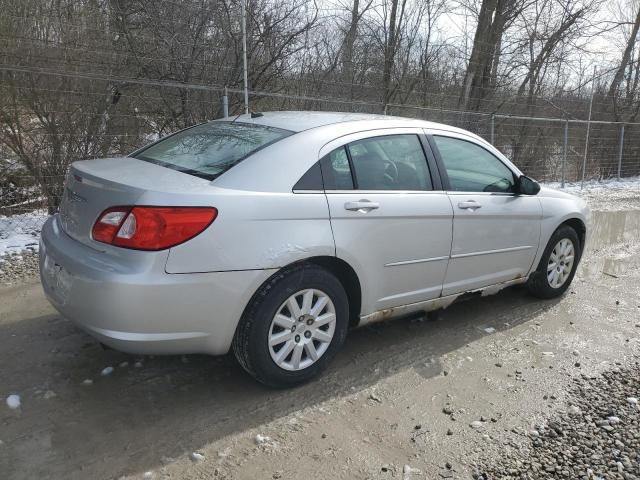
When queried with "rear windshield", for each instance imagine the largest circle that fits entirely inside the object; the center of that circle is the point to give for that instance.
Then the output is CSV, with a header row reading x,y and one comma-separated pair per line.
x,y
210,149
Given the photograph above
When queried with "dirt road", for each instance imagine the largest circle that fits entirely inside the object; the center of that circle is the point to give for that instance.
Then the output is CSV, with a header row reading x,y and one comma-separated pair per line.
x,y
502,362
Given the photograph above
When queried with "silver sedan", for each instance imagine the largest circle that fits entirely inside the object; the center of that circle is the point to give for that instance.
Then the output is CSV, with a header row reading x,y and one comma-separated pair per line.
x,y
272,234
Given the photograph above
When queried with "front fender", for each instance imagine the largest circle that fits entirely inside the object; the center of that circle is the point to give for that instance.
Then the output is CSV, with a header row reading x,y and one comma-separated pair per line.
x,y
557,209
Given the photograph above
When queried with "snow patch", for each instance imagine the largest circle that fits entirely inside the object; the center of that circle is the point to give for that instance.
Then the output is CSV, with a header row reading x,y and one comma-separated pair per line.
x,y
611,194
594,185
13,401
196,457
19,233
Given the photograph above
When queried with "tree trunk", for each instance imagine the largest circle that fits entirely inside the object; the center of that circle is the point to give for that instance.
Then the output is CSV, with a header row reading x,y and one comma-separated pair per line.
x,y
389,55
347,51
477,81
626,57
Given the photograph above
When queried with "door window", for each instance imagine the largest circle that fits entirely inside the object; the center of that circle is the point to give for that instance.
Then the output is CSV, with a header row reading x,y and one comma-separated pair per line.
x,y
390,162
471,168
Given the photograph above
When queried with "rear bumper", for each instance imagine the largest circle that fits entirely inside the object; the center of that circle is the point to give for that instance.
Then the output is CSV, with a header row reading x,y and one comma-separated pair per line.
x,y
128,301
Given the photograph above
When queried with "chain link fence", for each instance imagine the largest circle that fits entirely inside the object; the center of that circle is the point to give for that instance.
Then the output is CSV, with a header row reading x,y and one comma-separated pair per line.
x,y
77,117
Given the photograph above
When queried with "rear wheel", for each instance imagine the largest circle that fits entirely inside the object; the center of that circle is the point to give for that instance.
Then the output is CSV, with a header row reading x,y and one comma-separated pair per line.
x,y
293,326
557,265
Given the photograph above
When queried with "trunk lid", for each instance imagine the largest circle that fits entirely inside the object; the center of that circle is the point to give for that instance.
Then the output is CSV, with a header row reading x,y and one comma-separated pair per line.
x,y
92,186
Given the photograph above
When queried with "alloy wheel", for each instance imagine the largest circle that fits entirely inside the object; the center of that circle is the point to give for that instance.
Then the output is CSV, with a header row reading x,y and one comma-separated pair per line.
x,y
560,263
302,329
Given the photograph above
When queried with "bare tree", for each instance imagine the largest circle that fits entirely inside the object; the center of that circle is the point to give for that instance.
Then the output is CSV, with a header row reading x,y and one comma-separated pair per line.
x,y
626,68
494,17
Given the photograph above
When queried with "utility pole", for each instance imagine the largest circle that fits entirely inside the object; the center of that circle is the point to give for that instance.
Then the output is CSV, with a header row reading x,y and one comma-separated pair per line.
x,y
244,54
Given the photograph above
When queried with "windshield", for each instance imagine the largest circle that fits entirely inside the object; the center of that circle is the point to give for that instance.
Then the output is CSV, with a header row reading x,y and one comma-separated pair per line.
x,y
210,149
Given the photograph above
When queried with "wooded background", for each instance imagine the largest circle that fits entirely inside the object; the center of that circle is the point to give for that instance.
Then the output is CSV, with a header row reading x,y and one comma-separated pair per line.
x,y
92,78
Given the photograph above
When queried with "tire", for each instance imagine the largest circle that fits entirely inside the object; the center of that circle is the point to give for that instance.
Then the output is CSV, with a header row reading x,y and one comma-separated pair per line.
x,y
258,325
539,284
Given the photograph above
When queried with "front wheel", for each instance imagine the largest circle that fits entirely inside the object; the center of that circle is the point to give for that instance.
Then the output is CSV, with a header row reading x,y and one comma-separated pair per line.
x,y
293,327
557,265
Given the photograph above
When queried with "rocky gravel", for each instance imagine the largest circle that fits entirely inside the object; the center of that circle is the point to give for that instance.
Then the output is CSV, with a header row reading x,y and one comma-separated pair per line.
x,y
596,437
18,267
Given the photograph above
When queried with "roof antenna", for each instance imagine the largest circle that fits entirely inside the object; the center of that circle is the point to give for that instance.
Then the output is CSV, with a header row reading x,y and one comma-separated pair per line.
x,y
253,115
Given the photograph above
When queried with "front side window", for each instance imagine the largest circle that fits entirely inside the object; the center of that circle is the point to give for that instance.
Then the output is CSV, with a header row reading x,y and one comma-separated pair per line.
x,y
210,149
471,168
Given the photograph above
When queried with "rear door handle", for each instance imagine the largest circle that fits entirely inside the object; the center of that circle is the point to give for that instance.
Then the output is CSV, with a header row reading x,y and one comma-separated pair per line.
x,y
363,206
469,205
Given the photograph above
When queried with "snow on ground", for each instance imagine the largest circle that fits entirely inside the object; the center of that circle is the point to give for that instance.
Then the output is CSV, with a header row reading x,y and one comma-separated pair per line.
x,y
611,194
20,232
593,186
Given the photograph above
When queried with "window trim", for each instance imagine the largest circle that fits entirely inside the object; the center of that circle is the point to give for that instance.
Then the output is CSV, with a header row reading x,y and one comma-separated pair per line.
x,y
323,165
432,164
352,170
382,192
443,170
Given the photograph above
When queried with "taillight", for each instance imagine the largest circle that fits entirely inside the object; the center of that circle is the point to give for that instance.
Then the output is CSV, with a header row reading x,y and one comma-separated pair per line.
x,y
151,228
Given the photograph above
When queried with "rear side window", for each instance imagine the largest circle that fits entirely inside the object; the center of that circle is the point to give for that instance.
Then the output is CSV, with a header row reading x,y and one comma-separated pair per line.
x,y
210,149
471,168
336,171
390,162
312,180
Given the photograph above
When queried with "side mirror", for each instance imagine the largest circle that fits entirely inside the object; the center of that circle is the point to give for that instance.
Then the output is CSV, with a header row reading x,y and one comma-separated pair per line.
x,y
527,186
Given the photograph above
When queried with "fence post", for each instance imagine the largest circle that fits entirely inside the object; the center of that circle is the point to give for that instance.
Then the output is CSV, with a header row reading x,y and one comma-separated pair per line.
x,y
586,140
565,147
493,129
225,104
244,55
620,148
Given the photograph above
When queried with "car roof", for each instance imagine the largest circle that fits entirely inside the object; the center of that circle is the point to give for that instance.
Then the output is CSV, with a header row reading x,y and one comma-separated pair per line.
x,y
298,121
279,166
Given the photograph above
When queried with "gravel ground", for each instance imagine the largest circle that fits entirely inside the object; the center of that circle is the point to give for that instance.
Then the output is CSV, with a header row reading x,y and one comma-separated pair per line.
x,y
18,268
597,437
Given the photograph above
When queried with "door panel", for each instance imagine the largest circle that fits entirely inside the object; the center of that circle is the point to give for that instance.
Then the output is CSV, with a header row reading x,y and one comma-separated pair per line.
x,y
387,220
401,248
495,230
492,243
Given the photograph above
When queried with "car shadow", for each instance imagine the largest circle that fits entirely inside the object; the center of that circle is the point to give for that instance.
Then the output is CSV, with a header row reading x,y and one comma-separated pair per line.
x,y
128,421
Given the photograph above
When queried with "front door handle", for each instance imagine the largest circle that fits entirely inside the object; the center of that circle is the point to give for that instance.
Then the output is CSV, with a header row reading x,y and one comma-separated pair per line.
x,y
469,205
364,206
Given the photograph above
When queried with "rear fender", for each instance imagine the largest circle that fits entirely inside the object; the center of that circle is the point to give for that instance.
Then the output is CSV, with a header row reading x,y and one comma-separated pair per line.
x,y
257,230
